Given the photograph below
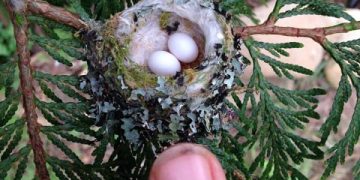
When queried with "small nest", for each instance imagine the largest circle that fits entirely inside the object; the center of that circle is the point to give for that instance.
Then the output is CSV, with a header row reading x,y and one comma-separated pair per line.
x,y
148,106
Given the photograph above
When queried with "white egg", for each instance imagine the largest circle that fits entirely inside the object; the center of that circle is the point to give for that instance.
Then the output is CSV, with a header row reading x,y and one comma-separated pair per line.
x,y
163,63
183,47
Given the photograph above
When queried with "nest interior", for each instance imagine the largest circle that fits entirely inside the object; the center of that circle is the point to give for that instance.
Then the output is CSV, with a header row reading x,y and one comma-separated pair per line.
x,y
146,27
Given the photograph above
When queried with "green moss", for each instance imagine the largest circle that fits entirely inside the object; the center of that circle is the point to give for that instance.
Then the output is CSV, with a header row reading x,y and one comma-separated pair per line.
x,y
135,76
164,19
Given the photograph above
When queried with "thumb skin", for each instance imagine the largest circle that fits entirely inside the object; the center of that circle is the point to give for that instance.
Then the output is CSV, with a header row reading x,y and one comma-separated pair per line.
x,y
187,162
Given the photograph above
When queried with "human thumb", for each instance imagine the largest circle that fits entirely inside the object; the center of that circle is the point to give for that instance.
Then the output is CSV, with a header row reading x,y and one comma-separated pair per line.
x,y
186,162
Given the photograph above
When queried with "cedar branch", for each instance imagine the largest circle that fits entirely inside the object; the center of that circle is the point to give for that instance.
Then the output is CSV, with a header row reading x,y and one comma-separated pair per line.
x,y
20,24
317,34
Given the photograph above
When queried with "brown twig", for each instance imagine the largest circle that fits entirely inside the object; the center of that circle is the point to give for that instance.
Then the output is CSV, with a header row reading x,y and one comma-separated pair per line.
x,y
317,34
20,24
342,28
57,14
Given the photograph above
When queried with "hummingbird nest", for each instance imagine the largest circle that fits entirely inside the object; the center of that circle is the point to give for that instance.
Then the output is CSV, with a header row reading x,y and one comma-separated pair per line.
x,y
139,105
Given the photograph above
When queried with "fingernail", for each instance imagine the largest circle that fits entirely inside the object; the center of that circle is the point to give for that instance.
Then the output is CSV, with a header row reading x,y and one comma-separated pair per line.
x,y
188,166
186,162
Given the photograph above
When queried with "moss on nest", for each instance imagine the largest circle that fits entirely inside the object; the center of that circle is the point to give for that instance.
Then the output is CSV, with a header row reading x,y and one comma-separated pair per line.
x,y
135,76
164,19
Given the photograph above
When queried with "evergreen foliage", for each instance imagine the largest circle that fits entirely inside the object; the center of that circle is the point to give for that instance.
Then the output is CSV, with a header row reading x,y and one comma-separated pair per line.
x,y
7,41
272,121
348,59
272,127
